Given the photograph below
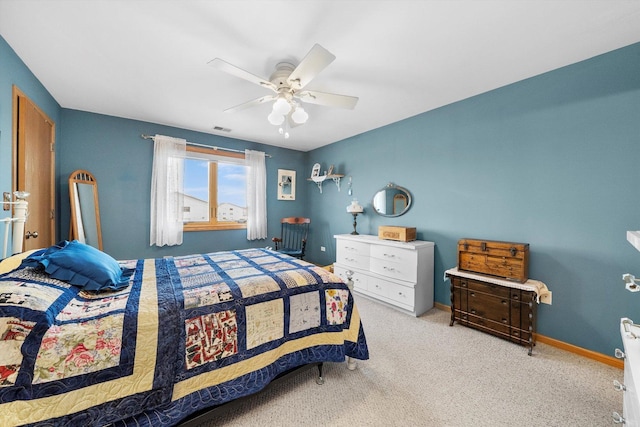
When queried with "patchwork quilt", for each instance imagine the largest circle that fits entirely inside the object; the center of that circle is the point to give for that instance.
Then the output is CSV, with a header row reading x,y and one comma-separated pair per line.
x,y
188,333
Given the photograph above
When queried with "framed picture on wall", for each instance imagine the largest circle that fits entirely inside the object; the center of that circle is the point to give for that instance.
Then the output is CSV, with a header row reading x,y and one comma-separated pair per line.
x,y
286,184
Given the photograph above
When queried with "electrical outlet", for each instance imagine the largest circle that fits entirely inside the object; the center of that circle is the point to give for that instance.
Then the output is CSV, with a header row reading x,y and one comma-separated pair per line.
x,y
322,249
6,197
546,298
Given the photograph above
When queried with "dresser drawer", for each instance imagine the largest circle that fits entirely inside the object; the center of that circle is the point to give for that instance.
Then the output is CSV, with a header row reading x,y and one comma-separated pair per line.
x,y
352,248
489,307
393,291
402,294
360,281
393,270
353,254
393,262
489,288
352,260
487,325
397,255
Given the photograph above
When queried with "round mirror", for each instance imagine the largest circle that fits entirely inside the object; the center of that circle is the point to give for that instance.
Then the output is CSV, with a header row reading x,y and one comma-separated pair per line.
x,y
391,200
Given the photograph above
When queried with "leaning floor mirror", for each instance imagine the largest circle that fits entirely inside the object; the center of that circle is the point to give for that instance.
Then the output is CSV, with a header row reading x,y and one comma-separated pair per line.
x,y
85,214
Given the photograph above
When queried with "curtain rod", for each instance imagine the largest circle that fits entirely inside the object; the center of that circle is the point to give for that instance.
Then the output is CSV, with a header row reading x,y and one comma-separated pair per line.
x,y
204,146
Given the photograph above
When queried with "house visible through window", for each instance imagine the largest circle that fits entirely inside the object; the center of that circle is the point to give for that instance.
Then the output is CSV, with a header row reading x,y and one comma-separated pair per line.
x,y
214,190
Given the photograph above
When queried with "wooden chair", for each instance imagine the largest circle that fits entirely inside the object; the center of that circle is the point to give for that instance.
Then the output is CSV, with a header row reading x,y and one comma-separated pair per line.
x,y
293,236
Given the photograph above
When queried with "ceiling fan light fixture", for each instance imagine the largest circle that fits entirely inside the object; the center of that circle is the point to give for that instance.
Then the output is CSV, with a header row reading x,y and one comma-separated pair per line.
x,y
299,115
281,106
275,118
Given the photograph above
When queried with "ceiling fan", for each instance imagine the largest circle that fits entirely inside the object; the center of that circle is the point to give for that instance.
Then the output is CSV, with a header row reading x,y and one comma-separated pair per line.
x,y
288,83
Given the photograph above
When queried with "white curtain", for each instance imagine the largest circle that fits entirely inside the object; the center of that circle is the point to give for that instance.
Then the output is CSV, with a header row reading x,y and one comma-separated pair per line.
x,y
167,202
256,195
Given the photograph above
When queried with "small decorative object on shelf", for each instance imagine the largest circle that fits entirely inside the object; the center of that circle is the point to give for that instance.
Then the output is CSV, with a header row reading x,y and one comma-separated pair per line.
x,y
319,179
354,209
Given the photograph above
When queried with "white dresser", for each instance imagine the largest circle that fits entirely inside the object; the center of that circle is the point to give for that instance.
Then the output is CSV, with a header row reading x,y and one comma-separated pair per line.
x,y
397,273
631,401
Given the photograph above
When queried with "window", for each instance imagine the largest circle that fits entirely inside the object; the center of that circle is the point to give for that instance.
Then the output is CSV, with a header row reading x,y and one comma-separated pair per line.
x,y
214,190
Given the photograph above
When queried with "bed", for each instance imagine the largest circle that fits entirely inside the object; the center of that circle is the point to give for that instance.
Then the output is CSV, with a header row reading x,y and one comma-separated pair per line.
x,y
158,340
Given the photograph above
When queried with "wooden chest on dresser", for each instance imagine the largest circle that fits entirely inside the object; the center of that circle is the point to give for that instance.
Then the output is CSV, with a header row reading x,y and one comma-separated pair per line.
x,y
501,259
495,306
397,273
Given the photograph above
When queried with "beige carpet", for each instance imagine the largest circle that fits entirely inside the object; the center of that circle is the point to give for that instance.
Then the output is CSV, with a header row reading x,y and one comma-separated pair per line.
x,y
422,372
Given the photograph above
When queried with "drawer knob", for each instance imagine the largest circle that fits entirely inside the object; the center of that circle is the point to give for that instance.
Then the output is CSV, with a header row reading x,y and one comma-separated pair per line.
x,y
389,255
617,418
619,354
389,268
619,386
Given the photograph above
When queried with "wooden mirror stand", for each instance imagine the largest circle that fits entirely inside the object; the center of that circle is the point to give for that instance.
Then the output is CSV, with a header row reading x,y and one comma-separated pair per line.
x,y
85,213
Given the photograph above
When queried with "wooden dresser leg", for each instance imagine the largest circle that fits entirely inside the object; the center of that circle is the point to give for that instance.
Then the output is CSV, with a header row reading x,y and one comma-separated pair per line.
x,y
453,311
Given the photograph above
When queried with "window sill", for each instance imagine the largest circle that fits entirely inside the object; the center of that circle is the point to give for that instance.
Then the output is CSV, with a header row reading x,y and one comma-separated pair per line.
x,y
215,227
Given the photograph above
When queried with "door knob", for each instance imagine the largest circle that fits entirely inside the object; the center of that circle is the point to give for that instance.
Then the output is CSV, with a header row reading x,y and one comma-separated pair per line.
x,y
30,234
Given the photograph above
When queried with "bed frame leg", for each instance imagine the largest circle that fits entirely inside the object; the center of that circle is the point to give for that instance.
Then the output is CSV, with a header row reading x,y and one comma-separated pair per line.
x,y
319,380
351,364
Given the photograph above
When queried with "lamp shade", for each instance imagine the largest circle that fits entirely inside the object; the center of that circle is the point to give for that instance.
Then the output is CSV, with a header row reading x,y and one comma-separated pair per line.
x,y
355,207
281,106
275,118
299,115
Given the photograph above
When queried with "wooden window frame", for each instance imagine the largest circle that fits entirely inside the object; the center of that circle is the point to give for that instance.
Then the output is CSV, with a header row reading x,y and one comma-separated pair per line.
x,y
213,224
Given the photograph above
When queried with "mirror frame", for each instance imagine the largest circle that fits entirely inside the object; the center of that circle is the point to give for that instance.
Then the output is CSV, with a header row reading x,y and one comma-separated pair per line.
x,y
81,204
392,186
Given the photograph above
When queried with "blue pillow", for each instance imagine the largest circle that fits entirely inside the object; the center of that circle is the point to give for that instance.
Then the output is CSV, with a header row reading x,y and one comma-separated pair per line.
x,y
81,265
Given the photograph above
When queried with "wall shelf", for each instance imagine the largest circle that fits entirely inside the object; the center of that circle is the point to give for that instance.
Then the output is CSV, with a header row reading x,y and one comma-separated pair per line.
x,y
319,180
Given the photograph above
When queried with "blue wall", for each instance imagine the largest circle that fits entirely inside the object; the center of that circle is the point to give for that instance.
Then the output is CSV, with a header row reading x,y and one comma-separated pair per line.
x,y
14,72
551,161
113,151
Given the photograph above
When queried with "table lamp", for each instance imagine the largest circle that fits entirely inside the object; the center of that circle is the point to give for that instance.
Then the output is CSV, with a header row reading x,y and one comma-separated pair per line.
x,y
354,209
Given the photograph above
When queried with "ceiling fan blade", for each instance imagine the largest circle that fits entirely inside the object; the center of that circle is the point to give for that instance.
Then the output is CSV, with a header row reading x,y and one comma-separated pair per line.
x,y
239,72
316,60
252,103
328,99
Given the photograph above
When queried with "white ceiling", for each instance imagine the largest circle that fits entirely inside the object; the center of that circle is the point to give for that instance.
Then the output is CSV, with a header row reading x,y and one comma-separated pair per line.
x,y
147,60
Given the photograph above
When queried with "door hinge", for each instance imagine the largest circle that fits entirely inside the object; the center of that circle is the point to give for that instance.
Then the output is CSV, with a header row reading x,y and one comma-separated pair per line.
x,y
52,214
53,147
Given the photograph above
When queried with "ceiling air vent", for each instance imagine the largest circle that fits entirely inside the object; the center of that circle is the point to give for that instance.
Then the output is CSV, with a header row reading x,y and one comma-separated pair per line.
x,y
221,129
